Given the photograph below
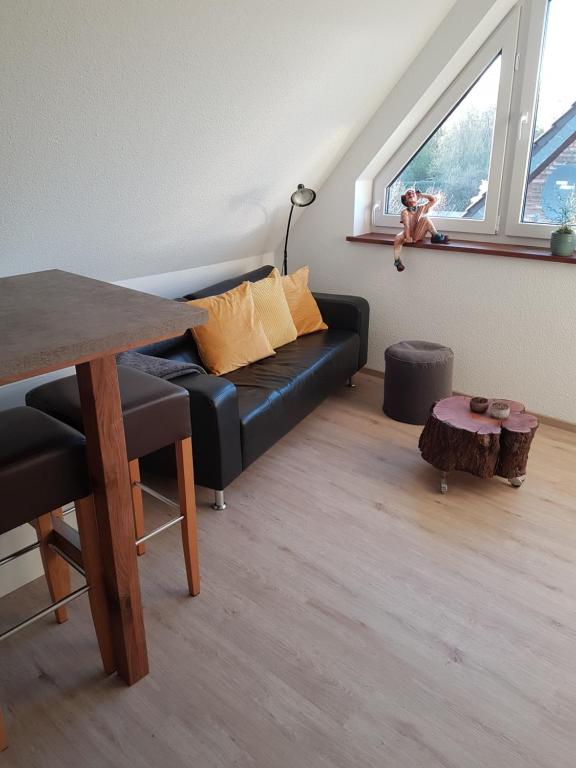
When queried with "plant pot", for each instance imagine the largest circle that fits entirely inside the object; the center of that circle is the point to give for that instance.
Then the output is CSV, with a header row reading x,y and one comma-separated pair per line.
x,y
562,244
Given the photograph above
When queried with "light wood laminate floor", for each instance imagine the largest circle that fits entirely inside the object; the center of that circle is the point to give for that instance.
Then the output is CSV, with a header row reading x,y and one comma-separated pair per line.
x,y
350,617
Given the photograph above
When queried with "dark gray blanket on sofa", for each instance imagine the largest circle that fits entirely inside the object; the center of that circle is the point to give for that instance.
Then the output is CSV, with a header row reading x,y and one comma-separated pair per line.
x,y
157,366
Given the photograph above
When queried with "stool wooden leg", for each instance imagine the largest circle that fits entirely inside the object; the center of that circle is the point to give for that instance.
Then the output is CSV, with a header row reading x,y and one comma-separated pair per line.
x,y
185,473
92,562
137,503
3,739
57,571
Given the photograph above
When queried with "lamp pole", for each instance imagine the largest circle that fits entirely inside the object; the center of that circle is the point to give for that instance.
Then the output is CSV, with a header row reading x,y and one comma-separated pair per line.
x,y
285,262
303,197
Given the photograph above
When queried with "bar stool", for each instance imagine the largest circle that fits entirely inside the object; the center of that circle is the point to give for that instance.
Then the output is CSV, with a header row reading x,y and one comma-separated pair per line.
x,y
42,467
156,414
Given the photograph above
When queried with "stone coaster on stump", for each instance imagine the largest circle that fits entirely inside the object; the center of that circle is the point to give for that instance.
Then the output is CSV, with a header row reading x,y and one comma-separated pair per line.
x,y
456,438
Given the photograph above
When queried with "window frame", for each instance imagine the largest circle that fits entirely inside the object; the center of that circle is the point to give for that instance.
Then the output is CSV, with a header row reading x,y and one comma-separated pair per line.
x,y
502,41
526,22
520,149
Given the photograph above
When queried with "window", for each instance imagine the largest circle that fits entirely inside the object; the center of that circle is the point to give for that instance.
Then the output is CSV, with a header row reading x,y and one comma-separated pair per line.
x,y
543,187
500,144
454,163
457,151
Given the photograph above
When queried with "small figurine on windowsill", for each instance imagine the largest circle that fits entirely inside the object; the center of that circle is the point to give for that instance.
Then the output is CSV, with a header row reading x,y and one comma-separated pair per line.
x,y
416,223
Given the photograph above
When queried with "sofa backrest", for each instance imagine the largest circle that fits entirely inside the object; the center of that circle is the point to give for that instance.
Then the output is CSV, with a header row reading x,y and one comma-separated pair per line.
x,y
227,285
182,348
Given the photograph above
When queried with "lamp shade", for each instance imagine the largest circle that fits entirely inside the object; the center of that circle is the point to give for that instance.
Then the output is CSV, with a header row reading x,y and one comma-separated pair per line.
x,y
303,196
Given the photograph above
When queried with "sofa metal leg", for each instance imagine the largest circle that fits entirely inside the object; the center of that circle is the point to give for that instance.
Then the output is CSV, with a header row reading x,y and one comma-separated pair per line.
x,y
219,502
350,383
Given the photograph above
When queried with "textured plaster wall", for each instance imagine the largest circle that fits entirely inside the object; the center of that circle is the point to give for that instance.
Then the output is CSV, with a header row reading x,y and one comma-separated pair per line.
x,y
511,322
145,136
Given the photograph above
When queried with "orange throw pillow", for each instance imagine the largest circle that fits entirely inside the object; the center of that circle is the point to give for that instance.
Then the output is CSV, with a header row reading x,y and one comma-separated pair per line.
x,y
303,307
233,336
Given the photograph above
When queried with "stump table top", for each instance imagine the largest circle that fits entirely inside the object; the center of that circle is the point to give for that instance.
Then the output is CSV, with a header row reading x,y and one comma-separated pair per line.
x,y
456,412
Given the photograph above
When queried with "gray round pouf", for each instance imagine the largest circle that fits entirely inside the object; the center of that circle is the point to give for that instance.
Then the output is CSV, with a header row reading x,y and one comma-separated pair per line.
x,y
417,374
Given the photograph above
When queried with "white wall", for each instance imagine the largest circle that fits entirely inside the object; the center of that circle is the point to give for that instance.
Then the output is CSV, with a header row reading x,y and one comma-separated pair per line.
x,y
140,136
511,322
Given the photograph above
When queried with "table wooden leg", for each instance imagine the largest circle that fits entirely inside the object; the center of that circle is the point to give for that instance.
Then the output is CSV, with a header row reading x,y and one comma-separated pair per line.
x,y
92,563
108,462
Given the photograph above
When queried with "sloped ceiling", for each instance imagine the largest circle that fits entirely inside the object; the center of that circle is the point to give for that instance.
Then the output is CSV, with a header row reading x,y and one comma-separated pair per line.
x,y
146,136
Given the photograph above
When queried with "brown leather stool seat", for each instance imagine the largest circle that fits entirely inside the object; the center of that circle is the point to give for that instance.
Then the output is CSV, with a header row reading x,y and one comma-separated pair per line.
x,y
42,466
156,413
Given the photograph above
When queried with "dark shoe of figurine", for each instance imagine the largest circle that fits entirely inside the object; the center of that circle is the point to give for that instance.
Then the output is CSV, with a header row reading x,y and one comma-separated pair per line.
x,y
399,266
439,237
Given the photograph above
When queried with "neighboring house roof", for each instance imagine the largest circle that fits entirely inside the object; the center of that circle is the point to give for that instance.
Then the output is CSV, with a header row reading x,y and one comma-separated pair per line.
x,y
548,146
545,150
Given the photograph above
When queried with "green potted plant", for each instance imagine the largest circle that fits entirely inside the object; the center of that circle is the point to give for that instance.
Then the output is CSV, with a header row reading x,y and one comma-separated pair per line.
x,y
563,239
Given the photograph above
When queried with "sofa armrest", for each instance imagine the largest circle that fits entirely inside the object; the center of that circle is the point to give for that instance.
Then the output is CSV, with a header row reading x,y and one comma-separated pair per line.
x,y
215,429
347,313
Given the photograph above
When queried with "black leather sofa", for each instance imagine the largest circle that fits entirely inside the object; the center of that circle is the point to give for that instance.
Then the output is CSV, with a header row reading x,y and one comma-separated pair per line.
x,y
238,416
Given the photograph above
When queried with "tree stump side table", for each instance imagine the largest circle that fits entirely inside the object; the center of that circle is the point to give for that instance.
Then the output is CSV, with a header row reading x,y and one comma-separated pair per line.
x,y
456,438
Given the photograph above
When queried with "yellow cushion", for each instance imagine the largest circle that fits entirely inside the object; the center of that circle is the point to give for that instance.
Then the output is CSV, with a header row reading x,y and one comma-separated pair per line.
x,y
233,336
273,310
303,307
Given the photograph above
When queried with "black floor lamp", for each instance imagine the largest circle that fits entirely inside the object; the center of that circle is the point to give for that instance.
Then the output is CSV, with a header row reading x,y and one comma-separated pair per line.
x,y
302,198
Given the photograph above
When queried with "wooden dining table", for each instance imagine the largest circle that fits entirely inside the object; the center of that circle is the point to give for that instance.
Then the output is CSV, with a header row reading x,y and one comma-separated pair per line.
x,y
52,320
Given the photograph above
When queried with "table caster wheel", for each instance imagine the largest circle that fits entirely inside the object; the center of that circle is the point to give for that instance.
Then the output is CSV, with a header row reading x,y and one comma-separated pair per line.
x,y
516,482
443,483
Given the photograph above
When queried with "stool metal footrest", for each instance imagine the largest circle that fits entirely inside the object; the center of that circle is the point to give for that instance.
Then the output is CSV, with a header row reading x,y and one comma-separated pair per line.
x,y
157,495
23,551
53,606
45,611
164,500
